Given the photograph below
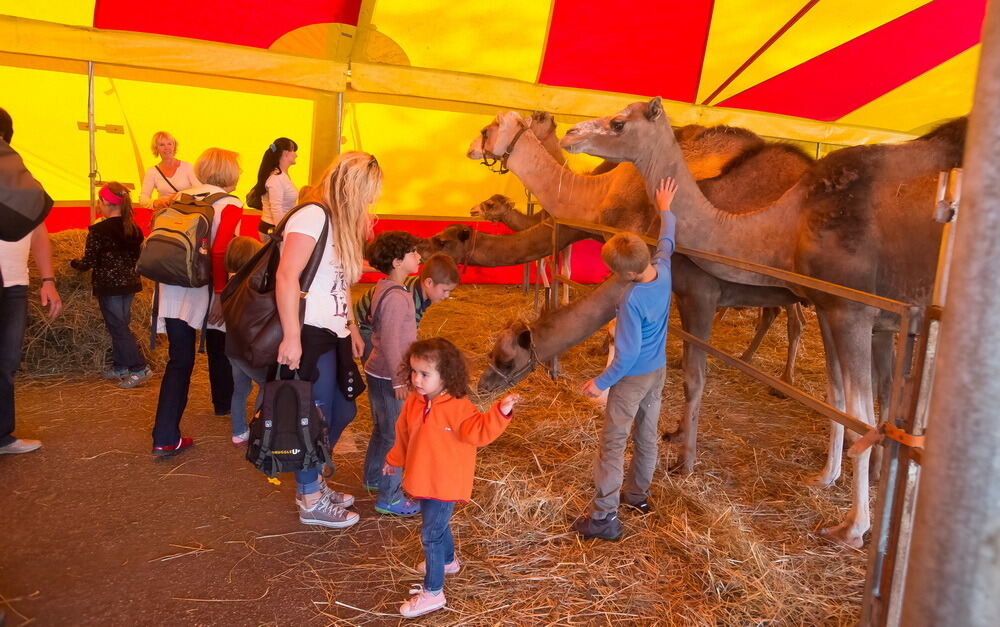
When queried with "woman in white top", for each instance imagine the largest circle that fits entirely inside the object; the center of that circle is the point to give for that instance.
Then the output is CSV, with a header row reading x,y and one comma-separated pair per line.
x,y
169,176
182,311
274,192
321,346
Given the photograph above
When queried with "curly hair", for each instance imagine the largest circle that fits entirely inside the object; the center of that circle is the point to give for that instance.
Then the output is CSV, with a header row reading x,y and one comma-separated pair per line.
x,y
389,246
447,359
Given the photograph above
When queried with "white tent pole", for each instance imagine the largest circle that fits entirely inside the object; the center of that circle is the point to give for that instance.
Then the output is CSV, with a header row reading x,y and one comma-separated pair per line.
x,y
91,132
954,570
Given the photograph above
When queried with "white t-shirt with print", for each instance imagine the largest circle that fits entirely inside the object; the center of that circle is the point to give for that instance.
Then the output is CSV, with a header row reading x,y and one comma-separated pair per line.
x,y
327,302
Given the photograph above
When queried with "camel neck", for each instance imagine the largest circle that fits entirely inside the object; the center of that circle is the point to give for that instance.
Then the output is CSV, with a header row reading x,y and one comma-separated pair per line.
x,y
562,192
765,236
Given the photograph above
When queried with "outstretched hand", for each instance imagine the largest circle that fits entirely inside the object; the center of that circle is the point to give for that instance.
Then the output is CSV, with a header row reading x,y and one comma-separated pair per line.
x,y
590,389
507,403
665,193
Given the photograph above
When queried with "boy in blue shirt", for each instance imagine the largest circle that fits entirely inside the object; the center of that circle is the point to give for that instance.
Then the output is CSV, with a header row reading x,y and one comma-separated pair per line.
x,y
635,375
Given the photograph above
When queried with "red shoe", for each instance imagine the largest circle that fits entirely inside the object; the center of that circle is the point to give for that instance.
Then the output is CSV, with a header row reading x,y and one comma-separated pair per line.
x,y
167,451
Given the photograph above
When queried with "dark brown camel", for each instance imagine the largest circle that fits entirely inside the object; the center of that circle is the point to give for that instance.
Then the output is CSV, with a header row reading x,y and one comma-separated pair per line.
x,y
853,219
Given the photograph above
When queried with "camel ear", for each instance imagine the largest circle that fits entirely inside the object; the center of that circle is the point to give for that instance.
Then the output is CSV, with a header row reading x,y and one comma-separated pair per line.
x,y
540,116
654,109
464,233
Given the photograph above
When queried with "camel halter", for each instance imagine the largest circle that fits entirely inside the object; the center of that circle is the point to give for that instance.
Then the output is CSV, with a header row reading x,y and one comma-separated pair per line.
x,y
491,161
510,380
468,253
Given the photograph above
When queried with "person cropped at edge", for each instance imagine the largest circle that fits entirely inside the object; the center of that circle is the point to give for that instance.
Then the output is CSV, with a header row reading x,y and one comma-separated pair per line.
x,y
183,310
169,176
329,334
634,377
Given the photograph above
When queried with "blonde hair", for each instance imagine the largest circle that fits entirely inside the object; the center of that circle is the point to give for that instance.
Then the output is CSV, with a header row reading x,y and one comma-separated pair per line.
x,y
157,136
218,167
348,186
625,252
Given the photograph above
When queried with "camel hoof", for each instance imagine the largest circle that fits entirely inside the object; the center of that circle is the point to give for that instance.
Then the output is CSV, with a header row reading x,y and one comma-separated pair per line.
x,y
820,481
843,534
680,467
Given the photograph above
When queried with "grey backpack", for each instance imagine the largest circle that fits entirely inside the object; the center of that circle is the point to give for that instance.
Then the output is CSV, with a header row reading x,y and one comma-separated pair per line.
x,y
177,249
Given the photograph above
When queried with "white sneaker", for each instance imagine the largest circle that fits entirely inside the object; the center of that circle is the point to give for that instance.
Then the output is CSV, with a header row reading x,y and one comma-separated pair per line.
x,y
19,446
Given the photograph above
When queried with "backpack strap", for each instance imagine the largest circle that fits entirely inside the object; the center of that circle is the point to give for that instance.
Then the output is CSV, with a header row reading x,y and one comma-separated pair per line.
x,y
376,307
166,179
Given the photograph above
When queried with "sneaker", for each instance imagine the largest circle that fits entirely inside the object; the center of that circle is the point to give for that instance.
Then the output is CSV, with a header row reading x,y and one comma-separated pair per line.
x,y
337,498
167,451
402,507
451,568
132,379
241,439
423,602
115,373
642,507
20,445
327,514
609,528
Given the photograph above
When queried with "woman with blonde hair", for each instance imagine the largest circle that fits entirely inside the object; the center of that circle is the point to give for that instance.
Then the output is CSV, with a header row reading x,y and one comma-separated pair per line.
x,y
167,177
321,347
182,311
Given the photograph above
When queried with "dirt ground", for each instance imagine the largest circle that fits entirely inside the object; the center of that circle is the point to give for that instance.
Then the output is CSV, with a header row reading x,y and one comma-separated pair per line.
x,y
97,531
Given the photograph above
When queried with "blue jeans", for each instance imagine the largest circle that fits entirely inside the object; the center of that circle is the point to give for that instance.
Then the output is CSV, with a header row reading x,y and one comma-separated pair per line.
x,y
13,320
319,364
439,546
385,413
117,312
243,379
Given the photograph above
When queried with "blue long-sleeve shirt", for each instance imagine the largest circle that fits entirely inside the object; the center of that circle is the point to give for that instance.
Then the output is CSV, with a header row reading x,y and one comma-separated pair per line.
x,y
641,330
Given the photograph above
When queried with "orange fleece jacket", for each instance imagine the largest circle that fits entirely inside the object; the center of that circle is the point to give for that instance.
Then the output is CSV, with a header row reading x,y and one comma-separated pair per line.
x,y
436,444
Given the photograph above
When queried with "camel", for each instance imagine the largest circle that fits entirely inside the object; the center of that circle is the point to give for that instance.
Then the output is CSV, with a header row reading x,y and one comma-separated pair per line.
x,y
849,220
766,169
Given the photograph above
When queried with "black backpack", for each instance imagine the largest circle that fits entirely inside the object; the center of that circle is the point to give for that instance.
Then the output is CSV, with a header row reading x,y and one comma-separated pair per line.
x,y
289,432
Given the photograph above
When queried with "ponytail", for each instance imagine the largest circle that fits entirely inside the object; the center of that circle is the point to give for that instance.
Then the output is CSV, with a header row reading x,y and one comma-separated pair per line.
x,y
125,204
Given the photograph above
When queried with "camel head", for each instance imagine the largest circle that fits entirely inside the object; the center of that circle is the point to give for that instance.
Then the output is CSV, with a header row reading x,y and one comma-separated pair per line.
x,y
496,137
543,125
452,241
620,137
493,208
509,361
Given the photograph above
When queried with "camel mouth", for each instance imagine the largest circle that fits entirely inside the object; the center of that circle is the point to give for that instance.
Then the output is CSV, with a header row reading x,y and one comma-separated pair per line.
x,y
572,142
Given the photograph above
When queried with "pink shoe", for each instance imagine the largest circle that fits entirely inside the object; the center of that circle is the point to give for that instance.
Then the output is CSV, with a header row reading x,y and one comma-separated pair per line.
x,y
422,602
450,568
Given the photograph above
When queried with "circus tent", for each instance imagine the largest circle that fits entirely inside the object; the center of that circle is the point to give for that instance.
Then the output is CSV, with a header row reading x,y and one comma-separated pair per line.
x,y
413,82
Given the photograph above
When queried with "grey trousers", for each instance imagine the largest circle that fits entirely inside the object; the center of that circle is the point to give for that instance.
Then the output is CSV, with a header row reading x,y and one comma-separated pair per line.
x,y
633,410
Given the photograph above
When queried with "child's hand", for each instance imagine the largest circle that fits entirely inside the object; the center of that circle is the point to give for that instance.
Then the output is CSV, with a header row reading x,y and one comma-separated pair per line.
x,y
590,389
665,193
389,469
507,403
401,392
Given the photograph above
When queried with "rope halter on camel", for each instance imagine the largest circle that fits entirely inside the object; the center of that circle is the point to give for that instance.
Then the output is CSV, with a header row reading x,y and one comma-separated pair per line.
x,y
490,160
511,379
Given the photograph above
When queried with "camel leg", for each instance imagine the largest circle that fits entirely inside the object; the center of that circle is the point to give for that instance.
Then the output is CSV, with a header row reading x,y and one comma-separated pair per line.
x,y
602,400
851,331
697,311
835,397
765,318
882,364
567,270
796,322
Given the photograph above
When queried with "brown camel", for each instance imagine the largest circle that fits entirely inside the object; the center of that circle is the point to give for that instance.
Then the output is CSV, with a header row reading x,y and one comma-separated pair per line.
x,y
755,178
853,219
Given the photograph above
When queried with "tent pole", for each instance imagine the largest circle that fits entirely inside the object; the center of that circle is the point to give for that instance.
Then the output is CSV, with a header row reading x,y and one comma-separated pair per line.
x,y
91,132
327,121
954,572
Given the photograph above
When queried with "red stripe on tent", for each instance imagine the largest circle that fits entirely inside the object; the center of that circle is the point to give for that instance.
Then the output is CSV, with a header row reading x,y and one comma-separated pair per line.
x,y
587,265
645,47
258,24
841,80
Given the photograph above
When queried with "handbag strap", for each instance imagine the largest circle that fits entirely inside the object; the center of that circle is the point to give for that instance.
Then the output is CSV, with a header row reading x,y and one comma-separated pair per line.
x,y
166,179
312,266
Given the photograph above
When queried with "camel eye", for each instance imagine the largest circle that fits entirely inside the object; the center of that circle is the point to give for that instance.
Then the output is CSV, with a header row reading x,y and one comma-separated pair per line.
x,y
617,125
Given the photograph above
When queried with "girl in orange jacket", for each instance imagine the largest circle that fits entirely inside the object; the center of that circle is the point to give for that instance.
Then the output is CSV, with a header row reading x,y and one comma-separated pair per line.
x,y
437,434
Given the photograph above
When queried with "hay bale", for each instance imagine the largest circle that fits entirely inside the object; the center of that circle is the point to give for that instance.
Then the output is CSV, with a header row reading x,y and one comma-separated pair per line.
x,y
77,340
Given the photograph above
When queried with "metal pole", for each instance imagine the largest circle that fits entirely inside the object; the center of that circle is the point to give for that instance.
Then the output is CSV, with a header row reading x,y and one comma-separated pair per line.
x,y
91,132
954,574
